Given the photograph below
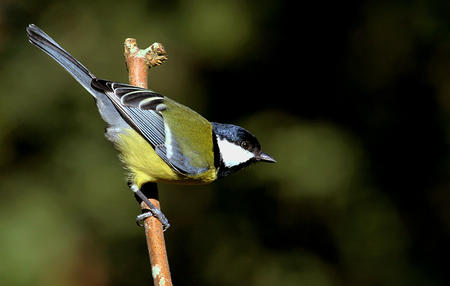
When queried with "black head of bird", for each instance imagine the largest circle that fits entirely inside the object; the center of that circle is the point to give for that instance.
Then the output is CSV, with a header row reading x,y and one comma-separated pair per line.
x,y
236,148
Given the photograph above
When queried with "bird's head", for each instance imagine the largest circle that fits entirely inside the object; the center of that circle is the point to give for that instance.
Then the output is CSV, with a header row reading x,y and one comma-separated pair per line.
x,y
236,148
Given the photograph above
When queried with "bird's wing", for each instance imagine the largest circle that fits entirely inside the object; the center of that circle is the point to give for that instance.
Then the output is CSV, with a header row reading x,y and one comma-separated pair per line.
x,y
145,111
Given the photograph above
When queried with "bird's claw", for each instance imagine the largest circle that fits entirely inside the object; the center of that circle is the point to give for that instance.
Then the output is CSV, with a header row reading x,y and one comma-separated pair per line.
x,y
143,216
147,213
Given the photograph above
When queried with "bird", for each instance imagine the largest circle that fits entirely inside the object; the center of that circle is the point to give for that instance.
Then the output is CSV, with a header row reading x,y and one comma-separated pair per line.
x,y
158,139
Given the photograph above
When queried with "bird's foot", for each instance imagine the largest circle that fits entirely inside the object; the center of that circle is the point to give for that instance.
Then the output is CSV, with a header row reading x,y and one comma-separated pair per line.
x,y
146,213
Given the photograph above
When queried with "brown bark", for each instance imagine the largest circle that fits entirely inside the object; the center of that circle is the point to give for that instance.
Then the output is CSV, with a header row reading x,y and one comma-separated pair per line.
x,y
138,63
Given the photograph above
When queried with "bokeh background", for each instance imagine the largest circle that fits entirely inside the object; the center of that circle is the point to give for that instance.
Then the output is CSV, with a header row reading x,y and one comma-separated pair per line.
x,y
351,98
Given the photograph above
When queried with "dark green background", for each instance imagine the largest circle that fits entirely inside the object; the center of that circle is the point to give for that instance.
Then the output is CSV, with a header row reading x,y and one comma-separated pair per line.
x,y
351,98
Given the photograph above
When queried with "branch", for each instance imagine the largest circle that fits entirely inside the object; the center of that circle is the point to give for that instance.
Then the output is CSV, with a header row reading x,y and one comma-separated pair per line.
x,y
138,63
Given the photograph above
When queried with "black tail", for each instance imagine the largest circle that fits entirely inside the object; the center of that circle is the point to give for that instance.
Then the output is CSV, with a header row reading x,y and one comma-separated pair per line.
x,y
43,41
79,72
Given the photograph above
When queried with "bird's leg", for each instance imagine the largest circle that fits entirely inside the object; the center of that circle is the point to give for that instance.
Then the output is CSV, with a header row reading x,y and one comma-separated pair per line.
x,y
154,211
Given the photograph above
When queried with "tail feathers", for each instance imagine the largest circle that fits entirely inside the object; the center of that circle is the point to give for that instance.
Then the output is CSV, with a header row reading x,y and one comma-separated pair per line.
x,y
43,41
106,108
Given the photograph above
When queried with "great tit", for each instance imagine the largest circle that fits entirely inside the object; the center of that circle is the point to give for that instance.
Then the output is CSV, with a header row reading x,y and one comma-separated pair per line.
x,y
159,140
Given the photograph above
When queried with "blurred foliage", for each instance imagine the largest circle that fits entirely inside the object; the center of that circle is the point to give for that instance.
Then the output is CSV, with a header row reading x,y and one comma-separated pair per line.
x,y
351,98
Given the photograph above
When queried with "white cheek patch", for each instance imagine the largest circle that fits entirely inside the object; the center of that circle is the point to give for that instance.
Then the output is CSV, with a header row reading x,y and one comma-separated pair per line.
x,y
232,154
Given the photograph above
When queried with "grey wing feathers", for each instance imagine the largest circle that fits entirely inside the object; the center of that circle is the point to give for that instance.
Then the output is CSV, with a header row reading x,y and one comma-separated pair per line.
x,y
141,109
126,98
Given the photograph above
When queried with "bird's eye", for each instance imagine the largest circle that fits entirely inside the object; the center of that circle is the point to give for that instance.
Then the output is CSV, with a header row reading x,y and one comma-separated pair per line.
x,y
245,144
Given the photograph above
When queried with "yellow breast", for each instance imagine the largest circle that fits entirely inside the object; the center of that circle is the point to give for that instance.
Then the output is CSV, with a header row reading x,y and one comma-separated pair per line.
x,y
144,165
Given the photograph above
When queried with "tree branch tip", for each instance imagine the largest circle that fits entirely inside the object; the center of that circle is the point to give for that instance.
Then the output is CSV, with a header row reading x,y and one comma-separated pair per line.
x,y
154,55
130,46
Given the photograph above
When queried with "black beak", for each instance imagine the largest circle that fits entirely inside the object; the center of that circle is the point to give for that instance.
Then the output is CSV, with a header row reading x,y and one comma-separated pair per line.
x,y
263,157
